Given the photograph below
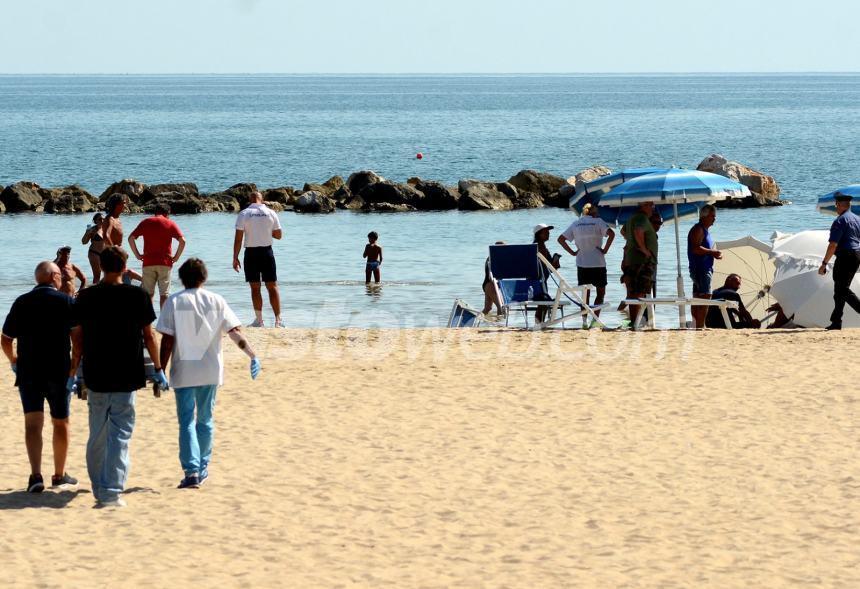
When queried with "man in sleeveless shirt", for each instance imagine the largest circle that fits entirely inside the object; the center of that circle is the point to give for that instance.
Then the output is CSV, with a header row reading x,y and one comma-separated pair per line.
x,y
701,253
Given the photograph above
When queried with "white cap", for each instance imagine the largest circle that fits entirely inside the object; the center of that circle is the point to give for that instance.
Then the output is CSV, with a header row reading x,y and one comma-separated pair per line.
x,y
541,227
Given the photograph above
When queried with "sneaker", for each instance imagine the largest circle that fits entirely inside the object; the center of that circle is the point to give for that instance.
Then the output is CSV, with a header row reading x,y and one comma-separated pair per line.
x,y
35,484
203,477
834,327
190,482
63,482
257,323
111,503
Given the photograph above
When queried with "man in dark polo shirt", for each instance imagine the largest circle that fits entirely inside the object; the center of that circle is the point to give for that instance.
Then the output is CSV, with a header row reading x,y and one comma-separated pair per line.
x,y
41,321
844,242
114,323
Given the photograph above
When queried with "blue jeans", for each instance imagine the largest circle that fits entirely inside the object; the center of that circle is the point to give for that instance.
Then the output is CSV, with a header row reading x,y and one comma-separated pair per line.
x,y
195,435
111,426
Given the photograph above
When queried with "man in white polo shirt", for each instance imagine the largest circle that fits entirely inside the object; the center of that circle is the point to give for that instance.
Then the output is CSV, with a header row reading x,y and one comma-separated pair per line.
x,y
258,225
192,324
588,233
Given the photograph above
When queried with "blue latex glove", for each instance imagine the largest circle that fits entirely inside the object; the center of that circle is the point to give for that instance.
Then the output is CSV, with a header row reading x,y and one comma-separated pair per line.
x,y
15,368
255,368
71,384
161,380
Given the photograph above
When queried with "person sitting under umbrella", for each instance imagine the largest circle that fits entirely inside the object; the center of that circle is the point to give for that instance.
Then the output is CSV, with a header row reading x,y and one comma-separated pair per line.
x,y
740,318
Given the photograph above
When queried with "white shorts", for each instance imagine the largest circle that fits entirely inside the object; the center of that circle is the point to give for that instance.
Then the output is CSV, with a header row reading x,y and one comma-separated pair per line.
x,y
156,274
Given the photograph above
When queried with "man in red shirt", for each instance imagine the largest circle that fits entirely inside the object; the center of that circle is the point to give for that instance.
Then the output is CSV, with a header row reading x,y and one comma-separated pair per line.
x,y
158,233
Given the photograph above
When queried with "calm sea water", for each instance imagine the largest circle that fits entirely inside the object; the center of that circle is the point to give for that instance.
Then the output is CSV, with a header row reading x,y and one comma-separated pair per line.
x,y
277,130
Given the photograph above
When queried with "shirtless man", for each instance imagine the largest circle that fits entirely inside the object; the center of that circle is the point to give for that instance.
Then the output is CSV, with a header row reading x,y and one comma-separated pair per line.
x,y
69,272
112,226
373,253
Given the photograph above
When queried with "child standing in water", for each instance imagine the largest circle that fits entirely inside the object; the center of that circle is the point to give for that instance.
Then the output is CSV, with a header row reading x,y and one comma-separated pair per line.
x,y
373,253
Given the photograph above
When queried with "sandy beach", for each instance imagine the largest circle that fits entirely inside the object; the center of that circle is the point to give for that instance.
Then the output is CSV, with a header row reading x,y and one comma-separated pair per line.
x,y
455,458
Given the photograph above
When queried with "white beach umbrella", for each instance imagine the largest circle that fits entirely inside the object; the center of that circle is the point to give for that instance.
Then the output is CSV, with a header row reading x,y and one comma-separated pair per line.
x,y
805,245
750,259
805,296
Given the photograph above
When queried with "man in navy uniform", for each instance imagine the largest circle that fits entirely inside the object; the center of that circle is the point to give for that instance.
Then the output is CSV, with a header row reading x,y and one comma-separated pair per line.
x,y
845,244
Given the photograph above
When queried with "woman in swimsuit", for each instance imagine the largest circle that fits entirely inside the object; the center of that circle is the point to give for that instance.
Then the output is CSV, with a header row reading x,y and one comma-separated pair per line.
x,y
94,235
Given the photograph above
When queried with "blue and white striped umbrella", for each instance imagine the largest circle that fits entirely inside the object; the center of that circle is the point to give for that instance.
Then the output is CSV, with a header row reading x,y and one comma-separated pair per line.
x,y
678,189
827,203
675,186
590,192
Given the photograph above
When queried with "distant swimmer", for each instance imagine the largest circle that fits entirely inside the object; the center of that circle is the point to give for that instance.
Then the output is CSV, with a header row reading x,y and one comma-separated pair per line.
x,y
69,272
373,253
256,227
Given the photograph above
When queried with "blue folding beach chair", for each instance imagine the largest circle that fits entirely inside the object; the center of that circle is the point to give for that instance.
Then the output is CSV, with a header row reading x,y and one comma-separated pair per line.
x,y
515,269
462,315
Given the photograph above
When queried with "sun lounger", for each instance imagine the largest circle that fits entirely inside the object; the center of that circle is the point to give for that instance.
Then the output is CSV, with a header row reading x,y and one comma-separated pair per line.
x,y
462,315
651,303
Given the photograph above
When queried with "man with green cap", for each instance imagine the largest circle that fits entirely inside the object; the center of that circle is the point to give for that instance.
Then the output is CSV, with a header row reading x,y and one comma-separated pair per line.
x,y
845,245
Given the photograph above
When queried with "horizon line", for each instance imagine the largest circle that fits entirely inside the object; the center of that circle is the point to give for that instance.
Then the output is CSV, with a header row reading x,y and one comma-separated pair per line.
x,y
346,74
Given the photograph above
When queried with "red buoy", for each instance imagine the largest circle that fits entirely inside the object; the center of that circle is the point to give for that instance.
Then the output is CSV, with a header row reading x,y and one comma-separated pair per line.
x,y
419,156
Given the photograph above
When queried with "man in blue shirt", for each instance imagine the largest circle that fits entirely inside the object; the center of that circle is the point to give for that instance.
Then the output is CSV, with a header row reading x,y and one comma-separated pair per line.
x,y
701,253
845,244
41,321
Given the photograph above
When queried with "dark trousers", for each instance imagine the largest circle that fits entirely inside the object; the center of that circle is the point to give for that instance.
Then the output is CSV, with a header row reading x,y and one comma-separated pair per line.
x,y
844,269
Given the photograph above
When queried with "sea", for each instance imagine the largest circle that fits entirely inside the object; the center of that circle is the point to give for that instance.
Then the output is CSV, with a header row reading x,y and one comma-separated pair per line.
x,y
278,130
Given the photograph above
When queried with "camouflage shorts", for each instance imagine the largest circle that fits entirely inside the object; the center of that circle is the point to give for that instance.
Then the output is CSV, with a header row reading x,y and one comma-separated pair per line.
x,y
641,277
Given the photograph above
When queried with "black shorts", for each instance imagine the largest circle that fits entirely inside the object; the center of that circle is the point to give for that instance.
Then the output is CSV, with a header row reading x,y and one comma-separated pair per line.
x,y
33,399
593,276
260,265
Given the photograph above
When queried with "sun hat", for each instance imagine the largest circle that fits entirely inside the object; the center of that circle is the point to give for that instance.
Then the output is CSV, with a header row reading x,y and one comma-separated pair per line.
x,y
541,227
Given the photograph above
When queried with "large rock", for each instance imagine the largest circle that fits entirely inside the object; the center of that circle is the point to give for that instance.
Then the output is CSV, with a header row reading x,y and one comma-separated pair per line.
x,y
539,183
22,197
437,196
285,195
180,204
153,191
328,188
482,196
354,203
388,207
765,191
566,190
389,192
359,180
130,188
342,195
240,193
71,199
314,202
527,200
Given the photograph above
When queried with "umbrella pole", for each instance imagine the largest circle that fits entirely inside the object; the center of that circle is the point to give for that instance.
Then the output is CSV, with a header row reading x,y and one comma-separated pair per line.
x,y
682,310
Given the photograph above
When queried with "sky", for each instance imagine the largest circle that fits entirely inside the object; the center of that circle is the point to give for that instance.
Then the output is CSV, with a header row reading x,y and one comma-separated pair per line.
x,y
430,36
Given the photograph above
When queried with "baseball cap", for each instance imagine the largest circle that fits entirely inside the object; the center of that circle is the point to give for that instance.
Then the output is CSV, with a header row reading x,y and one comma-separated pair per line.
x,y
541,227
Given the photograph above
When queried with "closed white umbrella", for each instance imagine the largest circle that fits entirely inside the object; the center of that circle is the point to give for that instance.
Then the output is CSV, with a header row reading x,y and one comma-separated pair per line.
x,y
750,259
805,296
